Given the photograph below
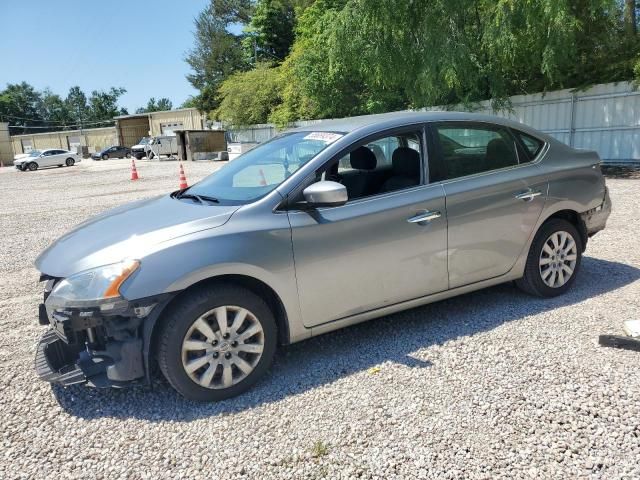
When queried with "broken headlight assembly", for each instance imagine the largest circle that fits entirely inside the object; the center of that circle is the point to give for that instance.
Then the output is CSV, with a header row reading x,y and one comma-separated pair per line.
x,y
98,287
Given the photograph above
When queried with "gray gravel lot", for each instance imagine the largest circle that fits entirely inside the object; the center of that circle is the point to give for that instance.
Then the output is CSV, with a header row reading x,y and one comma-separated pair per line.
x,y
488,385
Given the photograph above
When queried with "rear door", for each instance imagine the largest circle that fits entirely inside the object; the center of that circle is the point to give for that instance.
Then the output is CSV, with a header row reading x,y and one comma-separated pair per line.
x,y
494,197
374,251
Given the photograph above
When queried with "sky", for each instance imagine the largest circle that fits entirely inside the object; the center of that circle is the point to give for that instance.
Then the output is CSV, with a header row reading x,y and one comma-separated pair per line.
x,y
135,44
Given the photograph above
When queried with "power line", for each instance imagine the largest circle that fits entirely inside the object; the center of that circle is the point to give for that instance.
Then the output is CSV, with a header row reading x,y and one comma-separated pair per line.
x,y
61,126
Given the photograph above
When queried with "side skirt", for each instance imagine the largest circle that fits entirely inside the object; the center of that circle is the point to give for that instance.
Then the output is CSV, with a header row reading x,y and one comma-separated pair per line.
x,y
398,307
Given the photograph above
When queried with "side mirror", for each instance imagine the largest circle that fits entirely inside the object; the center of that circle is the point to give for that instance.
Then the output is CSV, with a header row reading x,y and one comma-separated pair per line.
x,y
325,194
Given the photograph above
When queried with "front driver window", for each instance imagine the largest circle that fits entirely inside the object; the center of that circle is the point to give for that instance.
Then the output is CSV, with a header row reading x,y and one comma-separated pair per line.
x,y
379,166
260,170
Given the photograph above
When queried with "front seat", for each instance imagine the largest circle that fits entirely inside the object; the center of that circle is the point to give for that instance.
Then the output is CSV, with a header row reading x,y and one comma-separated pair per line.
x,y
359,184
406,170
499,155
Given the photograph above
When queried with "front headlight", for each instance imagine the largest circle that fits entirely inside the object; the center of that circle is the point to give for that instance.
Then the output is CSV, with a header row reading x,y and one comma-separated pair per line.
x,y
97,287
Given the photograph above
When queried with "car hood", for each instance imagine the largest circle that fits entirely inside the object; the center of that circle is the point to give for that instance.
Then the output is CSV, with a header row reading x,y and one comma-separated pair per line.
x,y
129,231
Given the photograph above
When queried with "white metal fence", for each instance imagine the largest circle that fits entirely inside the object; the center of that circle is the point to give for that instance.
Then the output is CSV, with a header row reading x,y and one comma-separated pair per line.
x,y
605,118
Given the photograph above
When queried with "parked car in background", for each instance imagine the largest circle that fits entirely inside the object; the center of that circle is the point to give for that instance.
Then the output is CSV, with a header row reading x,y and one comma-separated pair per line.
x,y
50,157
382,213
115,151
157,146
138,150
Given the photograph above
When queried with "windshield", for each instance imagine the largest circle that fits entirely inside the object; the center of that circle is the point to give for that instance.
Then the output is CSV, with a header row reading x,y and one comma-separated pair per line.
x,y
143,141
34,153
263,168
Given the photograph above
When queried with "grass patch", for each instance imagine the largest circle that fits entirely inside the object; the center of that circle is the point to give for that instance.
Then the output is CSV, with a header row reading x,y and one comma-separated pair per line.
x,y
319,449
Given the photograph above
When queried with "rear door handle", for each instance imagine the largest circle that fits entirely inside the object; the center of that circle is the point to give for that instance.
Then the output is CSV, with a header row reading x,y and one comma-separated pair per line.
x,y
528,195
424,217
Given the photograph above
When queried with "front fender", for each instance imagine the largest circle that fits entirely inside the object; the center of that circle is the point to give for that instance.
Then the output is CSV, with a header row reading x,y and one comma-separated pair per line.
x,y
237,248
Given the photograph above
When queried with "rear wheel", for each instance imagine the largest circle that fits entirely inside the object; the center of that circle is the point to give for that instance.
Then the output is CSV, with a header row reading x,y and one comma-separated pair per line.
x,y
128,155
217,342
554,259
70,162
33,166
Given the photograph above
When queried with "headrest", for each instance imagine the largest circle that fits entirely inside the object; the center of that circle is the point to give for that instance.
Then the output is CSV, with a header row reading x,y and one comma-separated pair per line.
x,y
363,159
406,162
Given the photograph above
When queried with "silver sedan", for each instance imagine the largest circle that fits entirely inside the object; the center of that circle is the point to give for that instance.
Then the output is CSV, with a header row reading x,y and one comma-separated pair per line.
x,y
319,228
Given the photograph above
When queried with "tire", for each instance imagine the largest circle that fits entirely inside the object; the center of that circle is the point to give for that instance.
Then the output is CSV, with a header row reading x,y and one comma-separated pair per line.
x,y
33,166
128,155
555,252
151,155
105,157
69,162
139,157
222,361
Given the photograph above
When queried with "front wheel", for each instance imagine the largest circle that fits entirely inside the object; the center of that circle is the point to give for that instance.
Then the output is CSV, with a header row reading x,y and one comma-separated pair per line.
x,y
33,166
217,342
105,157
554,259
70,162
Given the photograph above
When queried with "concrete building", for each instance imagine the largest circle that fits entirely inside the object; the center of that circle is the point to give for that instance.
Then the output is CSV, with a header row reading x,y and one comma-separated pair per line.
x,y
6,151
128,130
95,139
131,128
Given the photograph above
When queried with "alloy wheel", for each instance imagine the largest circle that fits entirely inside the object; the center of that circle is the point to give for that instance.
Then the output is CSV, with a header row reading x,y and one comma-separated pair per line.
x,y
222,347
558,259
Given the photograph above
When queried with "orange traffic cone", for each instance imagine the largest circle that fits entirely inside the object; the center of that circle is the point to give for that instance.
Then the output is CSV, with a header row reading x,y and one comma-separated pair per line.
x,y
263,182
183,179
134,172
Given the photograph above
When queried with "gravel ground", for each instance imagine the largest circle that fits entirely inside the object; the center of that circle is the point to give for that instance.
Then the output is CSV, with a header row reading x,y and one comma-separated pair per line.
x,y
494,384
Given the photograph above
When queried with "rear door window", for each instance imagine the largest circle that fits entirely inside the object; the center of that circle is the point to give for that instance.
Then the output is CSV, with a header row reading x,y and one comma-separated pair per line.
x,y
470,148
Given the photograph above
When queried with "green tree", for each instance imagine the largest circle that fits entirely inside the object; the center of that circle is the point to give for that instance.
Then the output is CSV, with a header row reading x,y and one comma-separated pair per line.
x,y
160,105
448,51
21,106
189,103
103,105
217,53
54,110
249,97
76,102
271,31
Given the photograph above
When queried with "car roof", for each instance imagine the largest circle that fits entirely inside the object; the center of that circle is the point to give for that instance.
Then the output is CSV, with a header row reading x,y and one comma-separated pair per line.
x,y
393,119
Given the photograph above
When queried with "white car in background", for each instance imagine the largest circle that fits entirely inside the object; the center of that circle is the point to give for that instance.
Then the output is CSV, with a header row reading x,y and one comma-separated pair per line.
x,y
50,157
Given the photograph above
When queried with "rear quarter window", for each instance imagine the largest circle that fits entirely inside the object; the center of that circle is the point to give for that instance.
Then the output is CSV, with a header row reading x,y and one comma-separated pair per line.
x,y
531,144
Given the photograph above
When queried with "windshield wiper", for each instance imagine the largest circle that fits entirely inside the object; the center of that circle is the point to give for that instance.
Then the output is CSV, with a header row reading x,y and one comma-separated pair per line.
x,y
199,198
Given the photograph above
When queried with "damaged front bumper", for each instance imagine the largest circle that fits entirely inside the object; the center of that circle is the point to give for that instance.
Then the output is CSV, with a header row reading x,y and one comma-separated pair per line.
x,y
103,350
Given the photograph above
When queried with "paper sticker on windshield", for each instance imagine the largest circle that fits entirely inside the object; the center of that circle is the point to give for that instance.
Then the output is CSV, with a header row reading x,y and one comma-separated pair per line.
x,y
327,137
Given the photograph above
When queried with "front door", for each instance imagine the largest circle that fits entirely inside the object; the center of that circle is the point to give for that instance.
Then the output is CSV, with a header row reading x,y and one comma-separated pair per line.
x,y
386,245
495,196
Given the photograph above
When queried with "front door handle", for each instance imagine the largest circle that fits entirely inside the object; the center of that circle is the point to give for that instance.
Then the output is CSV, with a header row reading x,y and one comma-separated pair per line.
x,y
424,217
528,195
